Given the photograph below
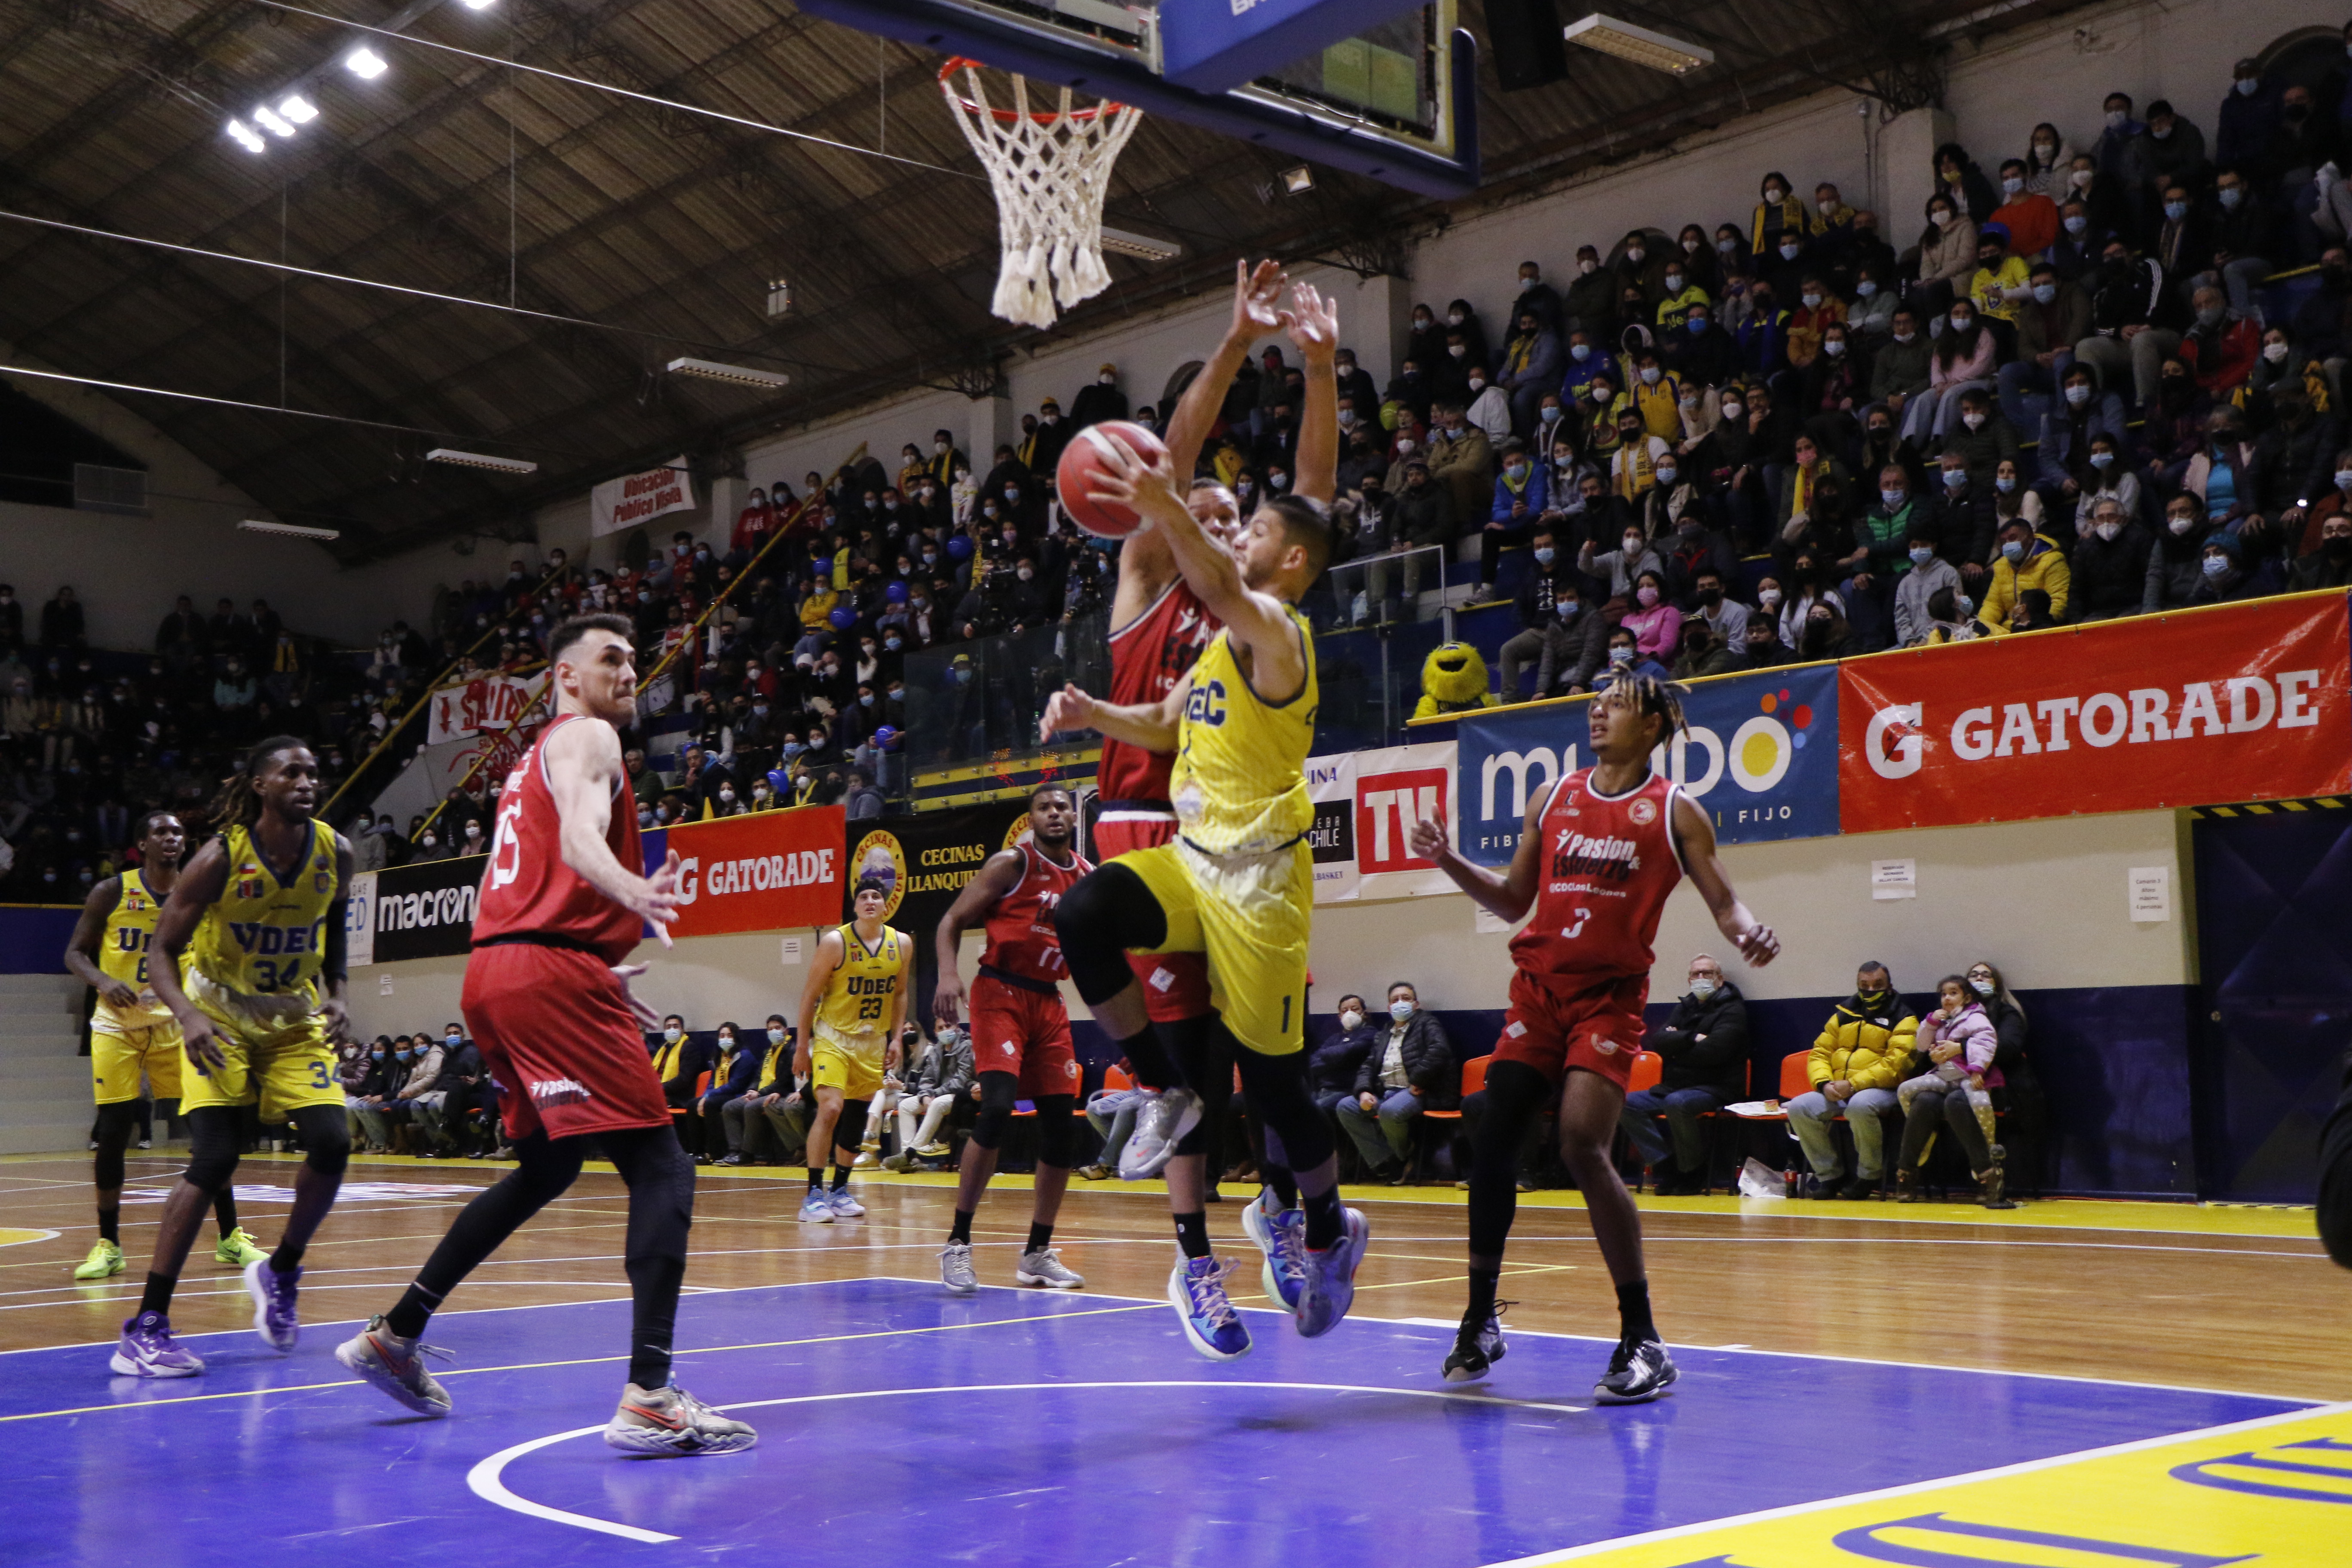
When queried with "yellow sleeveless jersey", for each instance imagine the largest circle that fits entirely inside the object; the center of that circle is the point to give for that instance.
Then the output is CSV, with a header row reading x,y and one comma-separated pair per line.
x,y
122,952
857,997
264,937
1239,783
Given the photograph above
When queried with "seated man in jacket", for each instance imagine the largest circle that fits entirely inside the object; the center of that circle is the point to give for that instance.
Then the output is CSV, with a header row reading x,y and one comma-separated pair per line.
x,y
2025,560
936,1077
1332,1066
1863,1051
1409,1069
1556,637
1705,1050
775,1109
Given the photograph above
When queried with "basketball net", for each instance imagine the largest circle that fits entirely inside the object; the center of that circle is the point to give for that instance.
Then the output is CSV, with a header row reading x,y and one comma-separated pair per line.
x,y
1050,171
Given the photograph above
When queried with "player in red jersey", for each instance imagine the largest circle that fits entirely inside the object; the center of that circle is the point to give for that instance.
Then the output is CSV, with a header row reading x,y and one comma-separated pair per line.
x,y
1597,855
547,998
1020,1030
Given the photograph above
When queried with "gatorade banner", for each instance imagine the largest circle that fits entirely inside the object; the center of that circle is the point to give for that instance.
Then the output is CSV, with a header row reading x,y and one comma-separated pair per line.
x,y
2202,706
766,870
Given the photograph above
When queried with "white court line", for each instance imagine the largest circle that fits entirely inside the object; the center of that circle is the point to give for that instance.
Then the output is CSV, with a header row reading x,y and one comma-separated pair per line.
x,y
485,1479
2000,1472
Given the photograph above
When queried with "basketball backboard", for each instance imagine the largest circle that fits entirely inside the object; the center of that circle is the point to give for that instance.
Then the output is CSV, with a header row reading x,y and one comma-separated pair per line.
x,y
1380,88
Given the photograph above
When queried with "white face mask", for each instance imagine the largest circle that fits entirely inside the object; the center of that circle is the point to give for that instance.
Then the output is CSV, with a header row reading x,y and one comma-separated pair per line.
x,y
1704,987
775,1037
672,1035
1351,1019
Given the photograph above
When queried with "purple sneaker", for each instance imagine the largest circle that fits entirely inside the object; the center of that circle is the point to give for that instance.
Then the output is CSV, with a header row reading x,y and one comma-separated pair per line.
x,y
1330,1283
273,1317
148,1350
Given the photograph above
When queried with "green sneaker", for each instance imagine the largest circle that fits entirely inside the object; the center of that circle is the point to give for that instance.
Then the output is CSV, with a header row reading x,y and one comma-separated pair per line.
x,y
237,1249
105,1258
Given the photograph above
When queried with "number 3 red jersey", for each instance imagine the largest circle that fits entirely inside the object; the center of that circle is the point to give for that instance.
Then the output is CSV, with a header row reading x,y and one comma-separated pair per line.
x,y
528,890
1022,941
1604,870
1148,656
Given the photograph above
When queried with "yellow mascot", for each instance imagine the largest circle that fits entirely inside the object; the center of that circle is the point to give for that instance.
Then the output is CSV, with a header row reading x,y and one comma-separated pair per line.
x,y
1452,680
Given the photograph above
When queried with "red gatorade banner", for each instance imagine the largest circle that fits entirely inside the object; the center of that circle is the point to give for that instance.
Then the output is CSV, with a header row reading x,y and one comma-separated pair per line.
x,y
2203,707
770,870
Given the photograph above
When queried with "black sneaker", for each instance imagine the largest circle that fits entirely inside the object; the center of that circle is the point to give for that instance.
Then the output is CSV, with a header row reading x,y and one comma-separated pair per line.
x,y
1824,1189
1862,1189
1639,1371
1477,1349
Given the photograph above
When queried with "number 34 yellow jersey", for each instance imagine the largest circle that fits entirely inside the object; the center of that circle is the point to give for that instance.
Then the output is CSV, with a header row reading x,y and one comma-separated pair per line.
x,y
857,998
265,937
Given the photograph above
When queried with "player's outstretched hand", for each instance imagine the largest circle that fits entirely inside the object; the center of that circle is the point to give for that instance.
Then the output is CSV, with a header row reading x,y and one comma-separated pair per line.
x,y
1429,842
1254,292
625,973
1313,323
657,905
1068,709
1758,945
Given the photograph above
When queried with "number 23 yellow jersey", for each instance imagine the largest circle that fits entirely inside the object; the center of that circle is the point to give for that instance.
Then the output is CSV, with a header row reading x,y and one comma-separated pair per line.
x,y
857,997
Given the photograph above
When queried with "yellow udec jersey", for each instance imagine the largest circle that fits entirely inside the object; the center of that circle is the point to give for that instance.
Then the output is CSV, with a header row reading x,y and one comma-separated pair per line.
x,y
857,997
1239,783
264,937
122,953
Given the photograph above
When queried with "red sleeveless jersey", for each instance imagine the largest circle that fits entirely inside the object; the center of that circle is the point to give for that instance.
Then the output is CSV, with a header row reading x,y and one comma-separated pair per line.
x,y
528,890
1022,941
1148,656
1605,868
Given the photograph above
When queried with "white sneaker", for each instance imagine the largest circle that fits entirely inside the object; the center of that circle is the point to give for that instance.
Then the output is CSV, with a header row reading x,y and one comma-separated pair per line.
x,y
669,1422
843,1205
955,1268
815,1209
1161,1121
1043,1267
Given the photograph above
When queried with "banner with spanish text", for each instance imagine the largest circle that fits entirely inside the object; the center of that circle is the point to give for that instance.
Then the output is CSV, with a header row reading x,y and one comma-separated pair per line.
x,y
489,702
2245,702
923,860
638,498
1331,782
765,870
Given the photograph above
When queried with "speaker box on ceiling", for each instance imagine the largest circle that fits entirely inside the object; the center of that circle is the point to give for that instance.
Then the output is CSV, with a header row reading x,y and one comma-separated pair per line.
x,y
1525,36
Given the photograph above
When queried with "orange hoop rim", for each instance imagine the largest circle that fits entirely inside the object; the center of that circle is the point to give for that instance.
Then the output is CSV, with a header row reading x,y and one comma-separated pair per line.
x,y
1007,116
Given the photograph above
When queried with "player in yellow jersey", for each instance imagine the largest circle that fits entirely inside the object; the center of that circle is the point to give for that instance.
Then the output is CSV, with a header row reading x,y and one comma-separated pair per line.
x,y
249,957
132,1033
1237,885
851,1011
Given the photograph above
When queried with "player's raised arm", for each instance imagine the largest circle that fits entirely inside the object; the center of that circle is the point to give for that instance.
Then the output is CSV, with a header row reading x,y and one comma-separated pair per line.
x,y
200,886
1313,323
1255,293
82,948
830,951
998,877
1150,725
1509,895
584,777
1695,834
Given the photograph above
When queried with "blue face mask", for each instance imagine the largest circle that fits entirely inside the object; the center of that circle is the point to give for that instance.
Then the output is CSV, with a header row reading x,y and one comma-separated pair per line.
x,y
2012,552
1921,555
1545,554
2044,293
1579,352
2004,484
453,1041
2175,211
2215,565
2102,460
1893,499
1697,324
400,1056
1865,289
1399,1010
1955,478
2231,195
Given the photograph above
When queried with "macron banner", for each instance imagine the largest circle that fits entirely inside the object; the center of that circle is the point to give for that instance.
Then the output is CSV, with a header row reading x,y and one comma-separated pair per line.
x,y
423,911
765,870
2238,702
634,498
1758,754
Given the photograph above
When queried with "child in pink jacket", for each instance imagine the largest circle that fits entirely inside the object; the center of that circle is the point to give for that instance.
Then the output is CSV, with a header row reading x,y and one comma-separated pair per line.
x,y
1959,1042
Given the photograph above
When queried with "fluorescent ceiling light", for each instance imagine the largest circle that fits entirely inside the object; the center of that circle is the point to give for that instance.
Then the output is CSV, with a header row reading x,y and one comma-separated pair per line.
x,y
245,137
479,4
291,529
365,63
733,374
480,460
272,121
1639,45
1144,245
298,108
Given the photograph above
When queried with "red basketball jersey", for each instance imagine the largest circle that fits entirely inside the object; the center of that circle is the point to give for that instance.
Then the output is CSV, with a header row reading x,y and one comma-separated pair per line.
x,y
1148,656
1605,866
1022,941
528,890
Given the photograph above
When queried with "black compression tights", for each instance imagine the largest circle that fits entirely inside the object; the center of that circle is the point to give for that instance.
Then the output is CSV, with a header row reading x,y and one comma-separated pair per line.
x,y
660,1179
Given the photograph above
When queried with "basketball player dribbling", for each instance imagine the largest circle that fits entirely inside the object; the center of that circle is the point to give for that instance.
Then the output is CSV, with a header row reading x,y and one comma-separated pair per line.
x,y
1597,855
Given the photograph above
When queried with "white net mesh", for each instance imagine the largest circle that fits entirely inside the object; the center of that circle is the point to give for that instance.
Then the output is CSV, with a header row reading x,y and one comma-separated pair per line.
x,y
1050,171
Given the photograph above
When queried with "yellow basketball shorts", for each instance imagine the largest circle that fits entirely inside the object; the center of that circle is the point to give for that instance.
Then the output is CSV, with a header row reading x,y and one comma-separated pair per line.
x,y
283,1062
1249,915
120,1052
852,1064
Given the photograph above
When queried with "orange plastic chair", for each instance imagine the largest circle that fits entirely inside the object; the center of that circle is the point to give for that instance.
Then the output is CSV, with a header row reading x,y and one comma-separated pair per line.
x,y
1648,1068
1474,1078
1796,1078
1115,1077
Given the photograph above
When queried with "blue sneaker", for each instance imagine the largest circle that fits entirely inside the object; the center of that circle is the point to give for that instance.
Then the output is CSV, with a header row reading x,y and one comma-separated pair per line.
x,y
148,1350
1330,1284
816,1208
1196,1287
273,1317
843,1205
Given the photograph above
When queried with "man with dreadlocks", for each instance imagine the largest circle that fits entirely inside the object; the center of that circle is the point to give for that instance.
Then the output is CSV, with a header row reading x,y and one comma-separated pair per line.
x,y
257,917
1597,856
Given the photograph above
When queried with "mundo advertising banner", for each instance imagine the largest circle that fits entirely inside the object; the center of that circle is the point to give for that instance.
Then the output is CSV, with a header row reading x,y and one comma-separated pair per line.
x,y
1759,753
767,870
2238,702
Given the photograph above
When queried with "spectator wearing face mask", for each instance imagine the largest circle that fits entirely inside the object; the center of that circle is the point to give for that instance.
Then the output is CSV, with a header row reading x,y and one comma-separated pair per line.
x,y
2328,564
1590,305
2135,321
1519,499
2028,216
2174,566
2226,573
1926,575
1461,460
1556,634
1487,407
1961,361
1410,1069
2026,561
1947,254
2108,565
2170,154
2219,349
1704,1067
1780,212
1655,623
378,1084
1761,644
2054,318
1899,369
1099,400
1530,368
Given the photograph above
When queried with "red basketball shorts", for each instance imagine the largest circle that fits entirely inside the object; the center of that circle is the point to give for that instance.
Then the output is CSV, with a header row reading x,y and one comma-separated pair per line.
x,y
1026,1033
1555,1023
559,1038
1175,985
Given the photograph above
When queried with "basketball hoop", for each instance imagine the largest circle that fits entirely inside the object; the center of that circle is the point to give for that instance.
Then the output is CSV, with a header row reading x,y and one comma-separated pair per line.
x,y
1050,171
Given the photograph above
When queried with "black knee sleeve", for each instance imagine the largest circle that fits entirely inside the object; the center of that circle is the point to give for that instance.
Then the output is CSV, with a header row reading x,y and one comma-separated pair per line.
x,y
994,1119
1277,1091
115,1123
326,1134
1057,1133
212,1148
1107,912
849,1127
1191,1058
1516,1094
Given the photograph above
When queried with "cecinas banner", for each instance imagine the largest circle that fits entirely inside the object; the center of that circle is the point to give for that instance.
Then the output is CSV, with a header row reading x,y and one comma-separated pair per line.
x,y
2245,702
